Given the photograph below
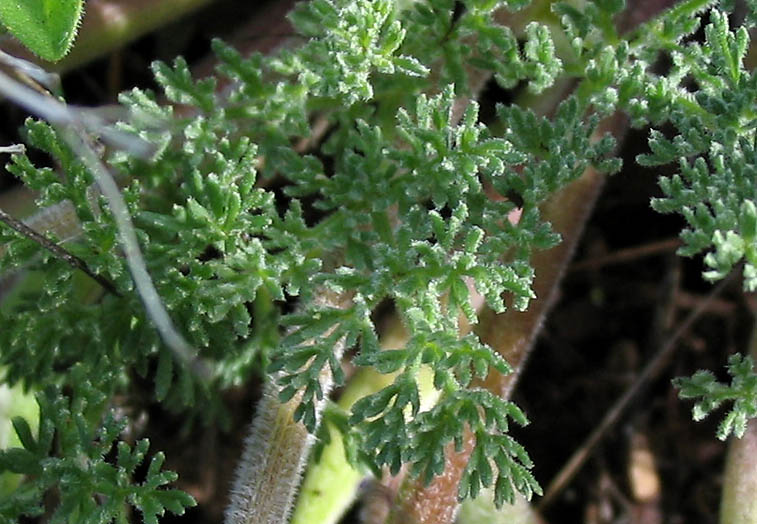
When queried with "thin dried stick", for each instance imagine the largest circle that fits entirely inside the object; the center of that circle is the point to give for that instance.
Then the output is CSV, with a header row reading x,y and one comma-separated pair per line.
x,y
57,250
576,461
73,123
626,255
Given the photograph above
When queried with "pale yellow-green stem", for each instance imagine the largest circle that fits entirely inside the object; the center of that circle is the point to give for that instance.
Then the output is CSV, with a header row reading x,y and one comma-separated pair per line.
x,y
331,484
482,509
738,504
14,402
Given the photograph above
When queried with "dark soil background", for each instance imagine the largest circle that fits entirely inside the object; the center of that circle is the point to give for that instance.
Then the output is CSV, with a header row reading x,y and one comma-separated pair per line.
x,y
617,308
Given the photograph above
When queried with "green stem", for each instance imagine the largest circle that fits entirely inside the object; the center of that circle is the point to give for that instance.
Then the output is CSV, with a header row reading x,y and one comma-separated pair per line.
x,y
738,504
331,484
482,509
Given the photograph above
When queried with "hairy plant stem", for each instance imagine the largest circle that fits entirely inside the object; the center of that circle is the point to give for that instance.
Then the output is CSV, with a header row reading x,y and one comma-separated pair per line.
x,y
269,470
276,450
738,503
512,335
567,211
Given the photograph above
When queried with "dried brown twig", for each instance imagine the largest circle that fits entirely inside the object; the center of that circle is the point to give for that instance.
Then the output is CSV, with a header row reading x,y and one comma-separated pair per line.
x,y
57,250
652,369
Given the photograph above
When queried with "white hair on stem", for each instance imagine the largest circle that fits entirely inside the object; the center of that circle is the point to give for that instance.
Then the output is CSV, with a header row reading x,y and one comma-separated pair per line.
x,y
276,449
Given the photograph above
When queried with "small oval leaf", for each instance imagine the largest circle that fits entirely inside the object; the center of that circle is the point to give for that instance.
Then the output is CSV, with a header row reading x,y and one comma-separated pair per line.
x,y
46,27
